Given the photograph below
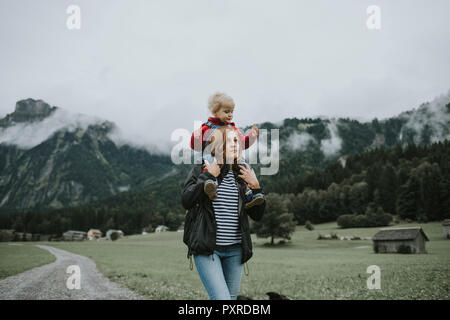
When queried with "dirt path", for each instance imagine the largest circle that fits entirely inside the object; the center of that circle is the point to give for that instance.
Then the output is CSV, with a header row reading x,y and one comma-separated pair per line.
x,y
49,281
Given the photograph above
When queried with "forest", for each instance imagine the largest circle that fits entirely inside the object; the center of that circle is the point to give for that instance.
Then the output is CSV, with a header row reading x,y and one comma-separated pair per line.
x,y
365,189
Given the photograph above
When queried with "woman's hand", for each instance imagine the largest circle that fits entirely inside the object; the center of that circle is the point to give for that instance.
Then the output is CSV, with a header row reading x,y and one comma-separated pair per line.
x,y
249,176
213,167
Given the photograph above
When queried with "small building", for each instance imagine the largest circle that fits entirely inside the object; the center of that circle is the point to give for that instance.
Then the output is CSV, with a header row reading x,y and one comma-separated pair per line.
x,y
400,240
446,224
94,234
27,236
74,235
22,236
161,228
7,234
44,237
109,232
36,237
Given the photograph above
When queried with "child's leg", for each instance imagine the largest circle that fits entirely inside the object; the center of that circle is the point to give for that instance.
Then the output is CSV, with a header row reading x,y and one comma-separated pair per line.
x,y
251,199
210,186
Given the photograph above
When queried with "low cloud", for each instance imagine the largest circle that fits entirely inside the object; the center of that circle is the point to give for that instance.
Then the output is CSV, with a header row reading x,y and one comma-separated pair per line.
x,y
299,141
431,118
333,144
27,135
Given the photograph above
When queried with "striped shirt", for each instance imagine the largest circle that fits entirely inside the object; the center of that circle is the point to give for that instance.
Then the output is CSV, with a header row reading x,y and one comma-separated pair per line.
x,y
226,211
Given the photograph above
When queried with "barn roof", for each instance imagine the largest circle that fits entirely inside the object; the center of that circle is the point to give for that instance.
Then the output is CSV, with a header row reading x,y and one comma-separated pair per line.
x,y
74,231
399,234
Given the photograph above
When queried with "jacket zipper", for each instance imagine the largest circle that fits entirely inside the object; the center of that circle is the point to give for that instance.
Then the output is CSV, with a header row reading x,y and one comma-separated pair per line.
x,y
211,212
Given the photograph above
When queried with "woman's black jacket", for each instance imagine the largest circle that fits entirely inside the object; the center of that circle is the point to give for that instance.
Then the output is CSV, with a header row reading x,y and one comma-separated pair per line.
x,y
200,222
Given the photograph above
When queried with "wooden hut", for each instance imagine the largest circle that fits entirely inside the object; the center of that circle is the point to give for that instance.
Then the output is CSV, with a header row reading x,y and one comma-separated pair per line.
x,y
22,236
446,224
7,235
73,235
400,240
161,228
94,234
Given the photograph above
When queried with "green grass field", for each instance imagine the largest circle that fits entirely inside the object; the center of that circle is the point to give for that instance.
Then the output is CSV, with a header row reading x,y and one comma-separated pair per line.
x,y
16,257
155,265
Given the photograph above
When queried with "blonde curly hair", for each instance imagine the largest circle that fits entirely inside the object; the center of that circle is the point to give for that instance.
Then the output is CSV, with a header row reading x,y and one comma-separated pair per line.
x,y
216,100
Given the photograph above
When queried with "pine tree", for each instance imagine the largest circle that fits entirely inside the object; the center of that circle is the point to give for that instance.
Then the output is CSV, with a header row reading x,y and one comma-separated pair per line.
x,y
408,199
387,191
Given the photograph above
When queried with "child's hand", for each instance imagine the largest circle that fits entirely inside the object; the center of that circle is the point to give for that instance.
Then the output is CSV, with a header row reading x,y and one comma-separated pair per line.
x,y
213,167
255,131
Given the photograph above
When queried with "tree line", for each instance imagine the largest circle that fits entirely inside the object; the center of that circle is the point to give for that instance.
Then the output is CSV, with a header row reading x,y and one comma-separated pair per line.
x,y
411,182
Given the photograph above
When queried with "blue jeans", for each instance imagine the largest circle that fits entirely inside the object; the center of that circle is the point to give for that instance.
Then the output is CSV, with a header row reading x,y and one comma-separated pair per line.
x,y
221,272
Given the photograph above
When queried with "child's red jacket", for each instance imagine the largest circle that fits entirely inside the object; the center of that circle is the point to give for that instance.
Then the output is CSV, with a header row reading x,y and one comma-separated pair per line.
x,y
214,123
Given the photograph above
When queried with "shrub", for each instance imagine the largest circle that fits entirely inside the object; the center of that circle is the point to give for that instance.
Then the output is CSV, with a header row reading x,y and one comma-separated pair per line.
x,y
345,221
308,225
114,236
378,219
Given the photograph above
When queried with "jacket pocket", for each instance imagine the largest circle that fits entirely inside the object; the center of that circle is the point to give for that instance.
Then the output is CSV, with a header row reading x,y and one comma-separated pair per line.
x,y
202,238
189,222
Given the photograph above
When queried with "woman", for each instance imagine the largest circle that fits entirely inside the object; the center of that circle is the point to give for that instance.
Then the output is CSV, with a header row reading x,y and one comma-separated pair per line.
x,y
217,231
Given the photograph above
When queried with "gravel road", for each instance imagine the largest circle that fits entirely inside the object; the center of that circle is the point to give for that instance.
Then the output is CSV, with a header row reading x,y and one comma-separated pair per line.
x,y
48,282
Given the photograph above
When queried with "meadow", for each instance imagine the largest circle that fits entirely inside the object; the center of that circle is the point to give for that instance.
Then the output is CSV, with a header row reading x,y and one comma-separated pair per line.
x,y
18,257
155,265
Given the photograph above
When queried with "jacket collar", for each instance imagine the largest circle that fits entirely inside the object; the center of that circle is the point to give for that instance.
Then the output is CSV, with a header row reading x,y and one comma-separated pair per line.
x,y
218,122
225,169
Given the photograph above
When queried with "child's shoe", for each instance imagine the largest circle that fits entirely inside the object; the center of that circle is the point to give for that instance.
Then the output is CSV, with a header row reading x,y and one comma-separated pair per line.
x,y
253,199
210,189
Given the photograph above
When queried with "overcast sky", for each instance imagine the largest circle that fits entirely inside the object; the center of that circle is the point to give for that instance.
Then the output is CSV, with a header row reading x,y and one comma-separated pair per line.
x,y
150,66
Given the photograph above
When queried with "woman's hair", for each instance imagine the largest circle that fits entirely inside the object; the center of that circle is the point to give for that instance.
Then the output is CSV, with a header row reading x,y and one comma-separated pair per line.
x,y
219,151
215,101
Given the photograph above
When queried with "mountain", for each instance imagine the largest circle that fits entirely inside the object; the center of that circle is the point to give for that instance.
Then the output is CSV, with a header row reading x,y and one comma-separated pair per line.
x,y
27,111
80,165
73,166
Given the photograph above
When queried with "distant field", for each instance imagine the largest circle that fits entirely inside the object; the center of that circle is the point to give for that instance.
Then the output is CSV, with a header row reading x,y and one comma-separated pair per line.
x,y
17,257
155,265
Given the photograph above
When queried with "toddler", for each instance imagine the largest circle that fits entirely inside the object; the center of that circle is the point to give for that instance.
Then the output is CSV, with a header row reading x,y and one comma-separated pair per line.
x,y
222,107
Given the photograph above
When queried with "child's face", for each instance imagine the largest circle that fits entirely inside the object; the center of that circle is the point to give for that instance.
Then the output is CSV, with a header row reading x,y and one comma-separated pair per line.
x,y
225,113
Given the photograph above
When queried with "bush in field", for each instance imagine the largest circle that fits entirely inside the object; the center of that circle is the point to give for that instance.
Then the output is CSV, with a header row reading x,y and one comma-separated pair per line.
x,y
369,219
346,221
114,236
308,225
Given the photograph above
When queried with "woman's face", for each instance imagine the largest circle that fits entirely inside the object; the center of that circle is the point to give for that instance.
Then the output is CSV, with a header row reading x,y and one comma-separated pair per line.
x,y
233,150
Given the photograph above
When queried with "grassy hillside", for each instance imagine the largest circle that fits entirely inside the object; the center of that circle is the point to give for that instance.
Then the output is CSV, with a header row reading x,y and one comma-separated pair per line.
x,y
155,266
